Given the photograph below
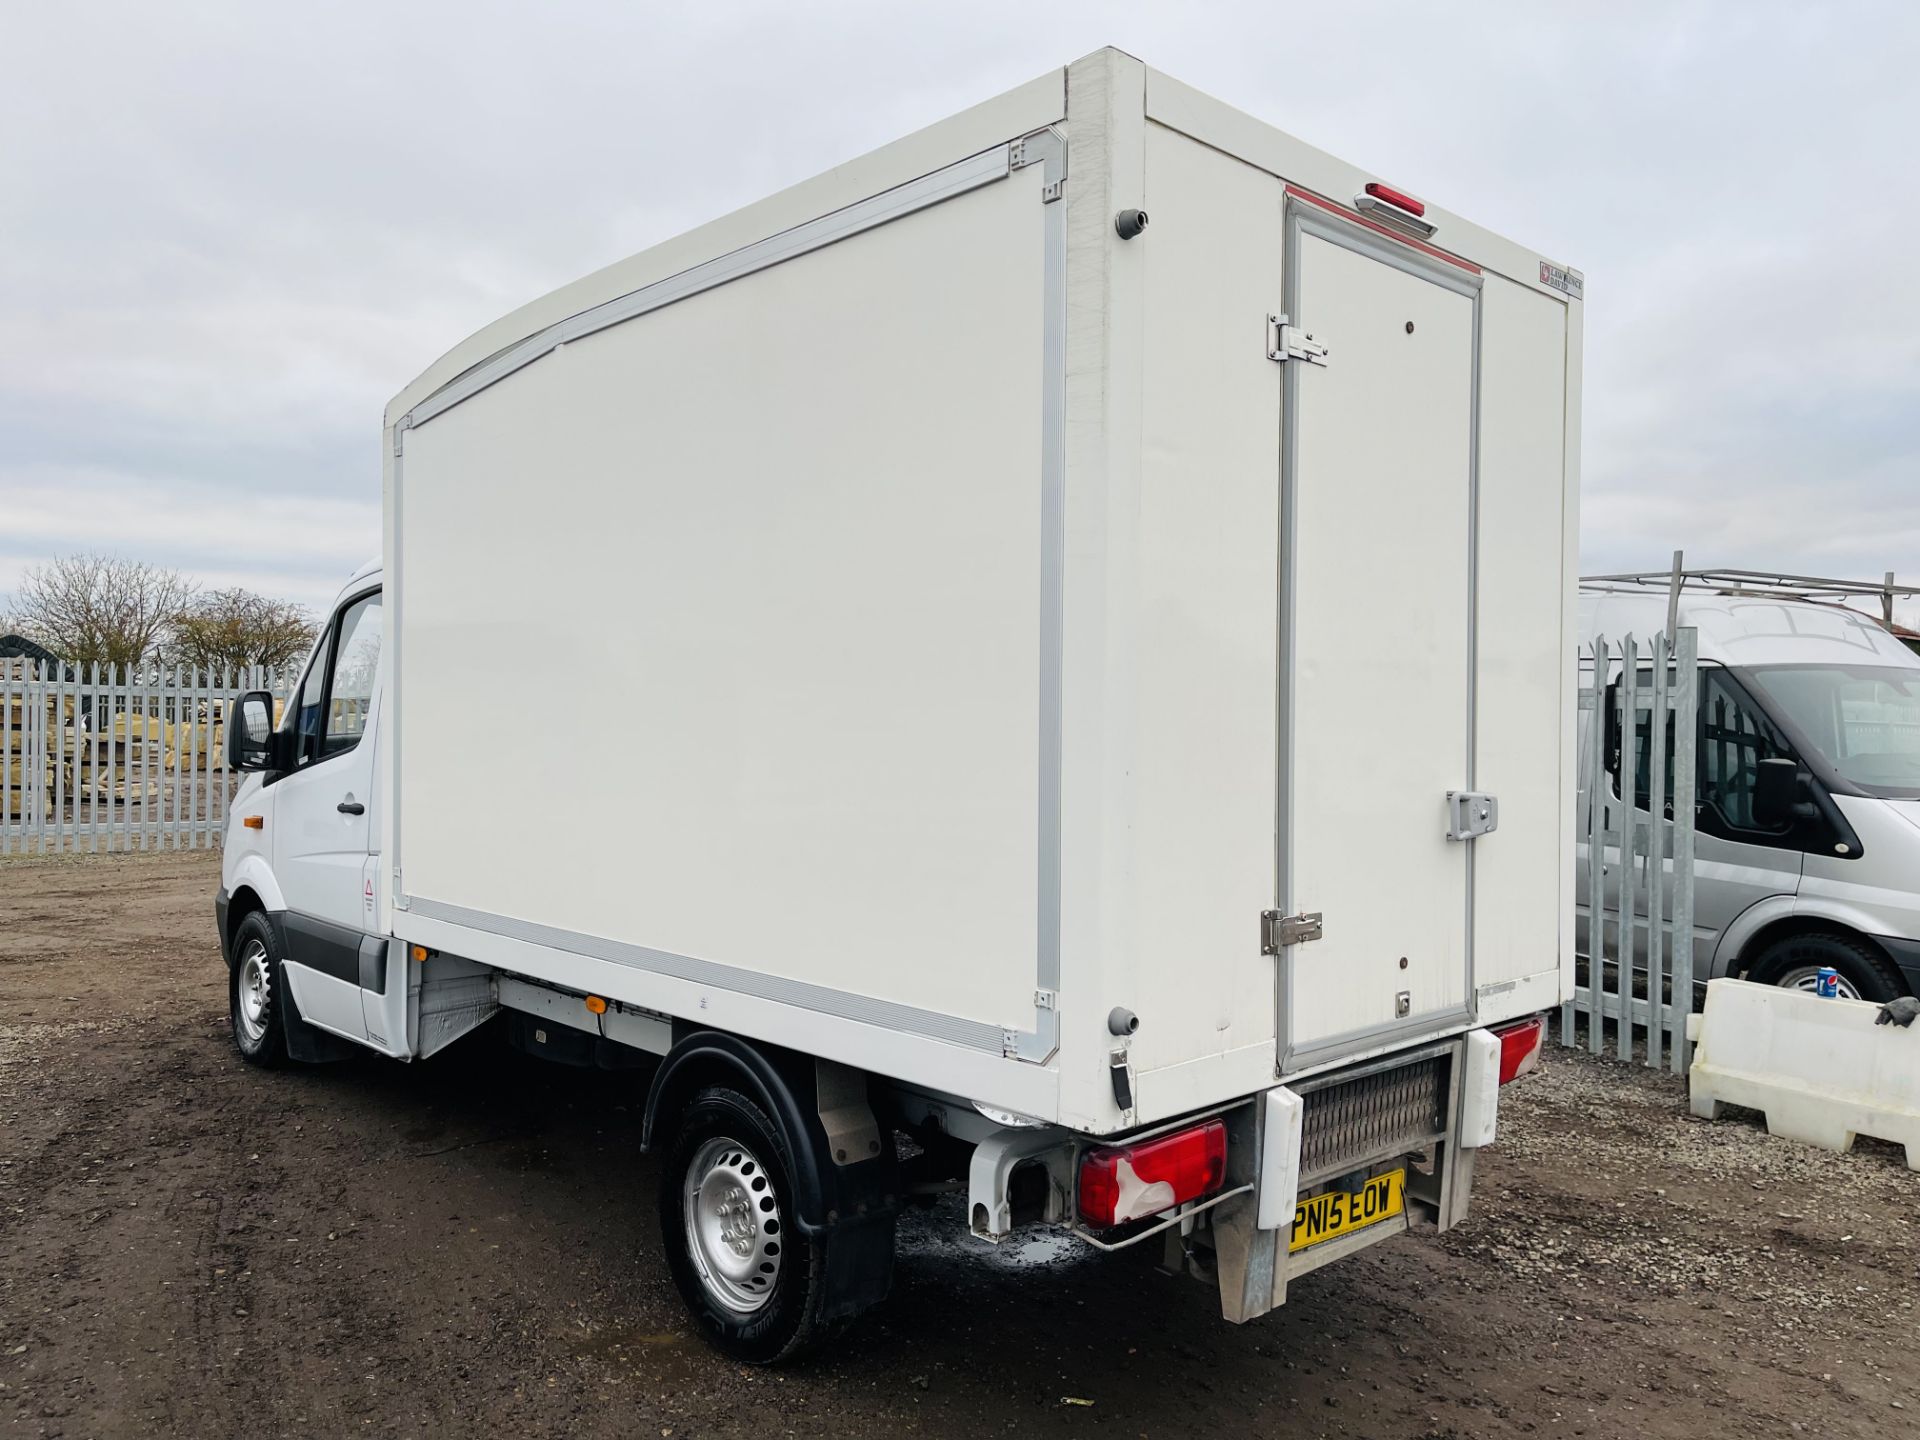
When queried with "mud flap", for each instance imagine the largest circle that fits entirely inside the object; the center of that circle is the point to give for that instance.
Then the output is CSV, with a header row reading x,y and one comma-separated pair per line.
x,y
308,1043
859,1264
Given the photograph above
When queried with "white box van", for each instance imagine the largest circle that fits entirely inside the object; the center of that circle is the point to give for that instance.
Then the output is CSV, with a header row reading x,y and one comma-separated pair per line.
x,y
962,606
1820,870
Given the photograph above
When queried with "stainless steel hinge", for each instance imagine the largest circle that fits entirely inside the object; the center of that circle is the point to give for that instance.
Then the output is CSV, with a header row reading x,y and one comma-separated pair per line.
x,y
1287,341
1277,931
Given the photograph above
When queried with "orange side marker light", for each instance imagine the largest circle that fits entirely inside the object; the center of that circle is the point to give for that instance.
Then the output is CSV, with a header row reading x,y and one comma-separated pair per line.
x,y
254,822
596,1005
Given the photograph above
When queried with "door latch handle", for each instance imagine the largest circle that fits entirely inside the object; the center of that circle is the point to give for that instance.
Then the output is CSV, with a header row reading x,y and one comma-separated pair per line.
x,y
351,806
1471,814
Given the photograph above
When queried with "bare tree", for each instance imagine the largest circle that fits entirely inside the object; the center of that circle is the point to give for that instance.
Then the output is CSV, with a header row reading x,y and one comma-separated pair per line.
x,y
88,608
239,628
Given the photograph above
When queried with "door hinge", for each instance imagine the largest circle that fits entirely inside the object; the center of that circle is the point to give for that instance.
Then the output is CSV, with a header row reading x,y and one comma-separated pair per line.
x,y
1278,931
1287,341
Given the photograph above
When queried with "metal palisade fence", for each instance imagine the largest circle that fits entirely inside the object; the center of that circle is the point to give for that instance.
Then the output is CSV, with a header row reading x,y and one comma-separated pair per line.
x,y
103,757
1637,753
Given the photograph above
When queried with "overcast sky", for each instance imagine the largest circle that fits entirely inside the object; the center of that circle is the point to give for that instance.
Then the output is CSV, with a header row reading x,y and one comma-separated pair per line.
x,y
230,233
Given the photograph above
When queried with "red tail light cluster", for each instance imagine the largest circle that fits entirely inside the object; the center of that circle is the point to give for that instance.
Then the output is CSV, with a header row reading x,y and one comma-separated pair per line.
x,y
1131,1182
1520,1046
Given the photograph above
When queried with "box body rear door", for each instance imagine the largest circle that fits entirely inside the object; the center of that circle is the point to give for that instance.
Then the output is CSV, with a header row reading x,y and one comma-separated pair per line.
x,y
1377,639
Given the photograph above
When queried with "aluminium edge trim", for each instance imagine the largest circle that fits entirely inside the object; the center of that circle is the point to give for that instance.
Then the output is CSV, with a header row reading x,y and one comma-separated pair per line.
x,y
1045,147
887,1014
816,234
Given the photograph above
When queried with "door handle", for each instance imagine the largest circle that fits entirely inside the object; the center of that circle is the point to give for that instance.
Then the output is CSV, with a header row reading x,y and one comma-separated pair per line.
x,y
351,806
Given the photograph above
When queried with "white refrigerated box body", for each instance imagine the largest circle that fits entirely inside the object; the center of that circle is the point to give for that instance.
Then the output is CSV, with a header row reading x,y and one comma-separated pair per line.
x,y
907,621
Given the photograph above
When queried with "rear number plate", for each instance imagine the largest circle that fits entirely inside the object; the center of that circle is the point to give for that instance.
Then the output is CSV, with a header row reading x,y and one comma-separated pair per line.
x,y
1339,1212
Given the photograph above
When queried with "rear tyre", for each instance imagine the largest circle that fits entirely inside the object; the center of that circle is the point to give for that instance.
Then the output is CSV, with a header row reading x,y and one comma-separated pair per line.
x,y
253,995
751,1279
1794,964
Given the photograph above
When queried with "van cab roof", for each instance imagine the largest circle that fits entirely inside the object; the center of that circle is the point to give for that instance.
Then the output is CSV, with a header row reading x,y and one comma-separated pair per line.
x,y
1749,630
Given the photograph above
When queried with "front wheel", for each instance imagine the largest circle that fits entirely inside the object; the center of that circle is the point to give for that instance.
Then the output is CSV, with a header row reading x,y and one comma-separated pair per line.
x,y
751,1279
1795,964
253,995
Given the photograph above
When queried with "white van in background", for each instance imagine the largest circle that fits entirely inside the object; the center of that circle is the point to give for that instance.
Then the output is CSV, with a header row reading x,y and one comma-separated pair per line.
x,y
1807,796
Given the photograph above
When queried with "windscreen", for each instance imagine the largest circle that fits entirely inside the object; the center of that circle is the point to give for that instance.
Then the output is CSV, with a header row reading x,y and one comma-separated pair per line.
x,y
1863,719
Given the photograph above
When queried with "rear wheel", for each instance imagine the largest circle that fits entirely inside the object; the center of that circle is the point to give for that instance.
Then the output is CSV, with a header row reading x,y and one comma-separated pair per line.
x,y
253,994
1795,963
751,1279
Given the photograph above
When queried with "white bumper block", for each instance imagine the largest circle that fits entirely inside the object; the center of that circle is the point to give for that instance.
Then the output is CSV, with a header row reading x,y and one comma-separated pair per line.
x,y
1480,1090
1280,1159
1821,1069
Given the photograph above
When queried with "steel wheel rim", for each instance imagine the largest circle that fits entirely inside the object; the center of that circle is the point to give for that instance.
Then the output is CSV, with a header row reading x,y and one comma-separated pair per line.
x,y
251,993
1807,978
733,1225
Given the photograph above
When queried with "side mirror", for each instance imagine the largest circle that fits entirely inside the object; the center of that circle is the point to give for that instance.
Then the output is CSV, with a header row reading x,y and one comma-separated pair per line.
x,y
249,723
1782,793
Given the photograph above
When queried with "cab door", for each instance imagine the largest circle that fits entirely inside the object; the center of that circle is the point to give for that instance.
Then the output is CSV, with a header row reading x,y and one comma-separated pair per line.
x,y
1737,861
323,823
1377,537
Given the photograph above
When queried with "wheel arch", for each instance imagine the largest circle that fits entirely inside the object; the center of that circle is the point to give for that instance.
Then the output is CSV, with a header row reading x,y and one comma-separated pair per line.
x,y
1771,932
240,904
776,1080
252,878
848,1209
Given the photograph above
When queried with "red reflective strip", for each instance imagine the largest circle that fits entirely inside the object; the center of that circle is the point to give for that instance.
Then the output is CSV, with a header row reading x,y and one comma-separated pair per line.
x,y
1345,213
1520,1047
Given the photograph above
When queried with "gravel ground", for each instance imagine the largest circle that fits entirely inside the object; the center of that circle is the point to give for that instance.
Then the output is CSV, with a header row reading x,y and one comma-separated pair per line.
x,y
191,1247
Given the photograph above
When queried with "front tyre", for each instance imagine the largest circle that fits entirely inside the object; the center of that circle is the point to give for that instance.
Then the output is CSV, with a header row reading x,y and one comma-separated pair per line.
x,y
253,995
752,1281
1795,964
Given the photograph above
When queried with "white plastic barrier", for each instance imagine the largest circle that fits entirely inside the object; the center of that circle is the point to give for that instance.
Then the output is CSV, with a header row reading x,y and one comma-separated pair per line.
x,y
1821,1069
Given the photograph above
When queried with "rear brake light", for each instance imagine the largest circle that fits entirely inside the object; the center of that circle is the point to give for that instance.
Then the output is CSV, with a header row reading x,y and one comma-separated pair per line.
x,y
1399,199
1130,1182
1398,209
1520,1047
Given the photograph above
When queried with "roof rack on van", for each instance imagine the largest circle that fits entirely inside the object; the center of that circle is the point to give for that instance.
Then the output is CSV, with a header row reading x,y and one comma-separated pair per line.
x,y
1749,582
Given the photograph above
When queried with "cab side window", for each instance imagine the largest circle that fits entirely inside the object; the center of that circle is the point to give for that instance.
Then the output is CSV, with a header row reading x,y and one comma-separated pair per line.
x,y
1643,753
338,690
306,716
356,660
1732,738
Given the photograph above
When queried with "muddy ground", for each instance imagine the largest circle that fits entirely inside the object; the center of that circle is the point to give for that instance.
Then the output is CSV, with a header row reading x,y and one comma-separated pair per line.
x,y
192,1247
